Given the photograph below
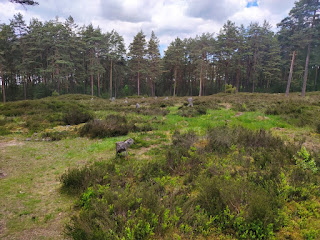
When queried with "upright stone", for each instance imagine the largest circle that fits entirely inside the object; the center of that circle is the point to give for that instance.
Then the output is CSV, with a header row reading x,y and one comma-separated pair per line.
x,y
190,102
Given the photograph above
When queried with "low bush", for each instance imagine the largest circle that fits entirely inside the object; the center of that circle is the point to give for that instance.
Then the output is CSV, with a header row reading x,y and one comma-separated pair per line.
x,y
118,213
4,131
318,127
299,113
179,149
77,180
112,126
197,110
230,89
55,135
76,116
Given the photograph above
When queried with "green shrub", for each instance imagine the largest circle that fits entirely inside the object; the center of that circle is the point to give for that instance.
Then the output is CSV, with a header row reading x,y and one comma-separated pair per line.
x,y
197,110
305,161
117,213
181,144
4,131
112,126
55,94
77,180
76,116
55,136
318,128
230,89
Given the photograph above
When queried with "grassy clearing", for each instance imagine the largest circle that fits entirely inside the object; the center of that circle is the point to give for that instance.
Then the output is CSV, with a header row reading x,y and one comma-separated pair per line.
x,y
176,168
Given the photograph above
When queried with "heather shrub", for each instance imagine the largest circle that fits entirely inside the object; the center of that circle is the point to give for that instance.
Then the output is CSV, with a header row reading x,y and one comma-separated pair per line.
x,y
76,116
112,126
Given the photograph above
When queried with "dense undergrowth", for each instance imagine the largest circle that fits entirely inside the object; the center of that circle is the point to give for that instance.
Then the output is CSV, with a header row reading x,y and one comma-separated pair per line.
x,y
234,181
232,167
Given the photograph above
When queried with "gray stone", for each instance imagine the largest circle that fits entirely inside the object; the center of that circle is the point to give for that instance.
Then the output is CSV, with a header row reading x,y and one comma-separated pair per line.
x,y
123,146
190,102
166,98
137,106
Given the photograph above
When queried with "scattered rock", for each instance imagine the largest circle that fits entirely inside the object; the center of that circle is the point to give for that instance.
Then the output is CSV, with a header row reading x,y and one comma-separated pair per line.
x,y
123,146
190,102
262,118
166,98
2,174
137,105
238,114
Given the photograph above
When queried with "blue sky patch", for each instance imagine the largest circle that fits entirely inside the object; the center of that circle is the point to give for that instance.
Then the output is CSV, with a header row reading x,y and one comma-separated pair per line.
x,y
253,3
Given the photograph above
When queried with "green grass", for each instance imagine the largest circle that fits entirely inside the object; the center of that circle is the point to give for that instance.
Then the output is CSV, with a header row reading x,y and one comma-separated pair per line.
x,y
32,204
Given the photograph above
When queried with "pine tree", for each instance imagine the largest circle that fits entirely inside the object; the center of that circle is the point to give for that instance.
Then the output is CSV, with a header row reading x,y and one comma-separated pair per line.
x,y
302,25
137,55
154,62
175,59
114,52
7,38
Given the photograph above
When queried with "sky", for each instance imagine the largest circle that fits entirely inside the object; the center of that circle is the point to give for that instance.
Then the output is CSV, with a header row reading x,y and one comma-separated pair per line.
x,y
167,18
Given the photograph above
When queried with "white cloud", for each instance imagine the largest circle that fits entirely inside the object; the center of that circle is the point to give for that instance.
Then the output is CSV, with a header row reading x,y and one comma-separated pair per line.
x,y
167,18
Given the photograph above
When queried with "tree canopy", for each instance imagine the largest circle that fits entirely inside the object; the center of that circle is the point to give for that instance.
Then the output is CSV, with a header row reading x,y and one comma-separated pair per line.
x,y
39,58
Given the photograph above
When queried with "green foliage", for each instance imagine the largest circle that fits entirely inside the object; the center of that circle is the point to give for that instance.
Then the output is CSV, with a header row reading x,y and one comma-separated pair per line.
x,y
305,161
230,89
77,180
299,113
318,128
76,116
112,126
197,110
55,94
55,135
179,150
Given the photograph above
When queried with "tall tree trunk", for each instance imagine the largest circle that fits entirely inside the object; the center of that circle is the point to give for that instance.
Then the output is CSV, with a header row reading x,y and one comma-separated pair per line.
x,y
254,69
138,78
200,89
115,88
175,81
226,76
91,82
58,79
238,79
315,78
290,74
104,82
98,84
24,87
67,82
110,83
305,77
71,83
3,86
138,83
